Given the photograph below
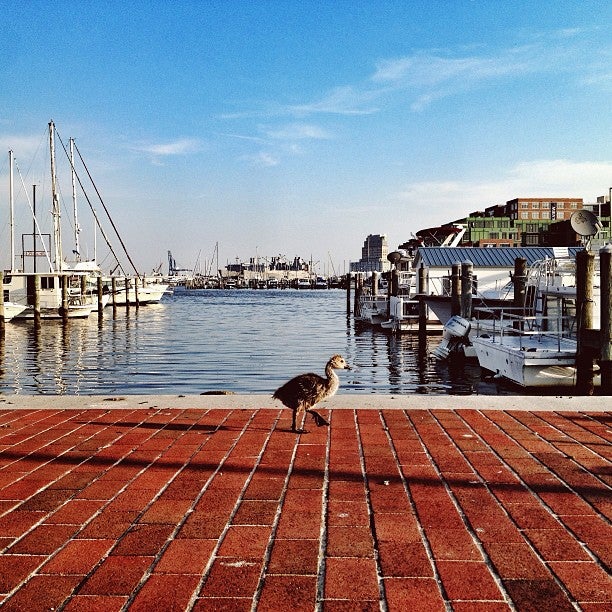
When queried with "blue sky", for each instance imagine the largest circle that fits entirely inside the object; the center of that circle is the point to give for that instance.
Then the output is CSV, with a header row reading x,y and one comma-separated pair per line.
x,y
297,128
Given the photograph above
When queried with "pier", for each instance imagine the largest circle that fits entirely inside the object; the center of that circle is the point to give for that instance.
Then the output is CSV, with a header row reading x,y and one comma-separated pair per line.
x,y
204,502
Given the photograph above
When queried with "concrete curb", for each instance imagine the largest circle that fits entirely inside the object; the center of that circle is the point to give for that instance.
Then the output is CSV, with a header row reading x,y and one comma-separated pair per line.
x,y
346,401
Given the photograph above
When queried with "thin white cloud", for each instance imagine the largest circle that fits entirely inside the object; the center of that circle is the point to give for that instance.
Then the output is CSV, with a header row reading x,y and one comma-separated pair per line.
x,y
343,100
183,146
428,75
262,159
429,70
244,137
296,131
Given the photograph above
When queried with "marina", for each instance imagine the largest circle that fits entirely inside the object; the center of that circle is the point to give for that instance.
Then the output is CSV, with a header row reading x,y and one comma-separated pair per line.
x,y
201,341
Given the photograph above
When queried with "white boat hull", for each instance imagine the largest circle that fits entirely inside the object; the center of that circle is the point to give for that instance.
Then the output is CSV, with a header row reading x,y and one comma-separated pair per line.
x,y
74,312
541,362
373,309
151,294
12,310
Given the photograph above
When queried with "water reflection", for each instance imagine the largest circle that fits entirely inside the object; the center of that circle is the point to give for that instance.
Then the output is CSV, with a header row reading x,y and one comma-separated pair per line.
x,y
243,341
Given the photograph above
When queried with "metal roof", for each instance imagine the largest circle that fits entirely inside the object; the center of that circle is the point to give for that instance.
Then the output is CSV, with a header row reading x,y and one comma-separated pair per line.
x,y
483,257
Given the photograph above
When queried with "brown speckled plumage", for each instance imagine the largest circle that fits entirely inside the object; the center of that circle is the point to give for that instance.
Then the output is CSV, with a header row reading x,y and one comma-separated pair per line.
x,y
304,391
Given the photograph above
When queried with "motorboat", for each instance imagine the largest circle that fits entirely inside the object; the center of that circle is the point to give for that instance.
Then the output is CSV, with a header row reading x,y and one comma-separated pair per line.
x,y
21,290
538,346
138,290
528,352
11,310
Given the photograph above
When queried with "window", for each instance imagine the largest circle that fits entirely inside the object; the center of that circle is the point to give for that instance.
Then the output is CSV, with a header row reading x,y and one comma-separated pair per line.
x,y
545,204
47,282
535,205
524,215
574,205
535,215
524,204
545,215
559,204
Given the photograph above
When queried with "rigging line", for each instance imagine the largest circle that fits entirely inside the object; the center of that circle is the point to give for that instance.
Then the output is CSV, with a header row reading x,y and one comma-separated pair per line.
x,y
106,210
34,217
93,210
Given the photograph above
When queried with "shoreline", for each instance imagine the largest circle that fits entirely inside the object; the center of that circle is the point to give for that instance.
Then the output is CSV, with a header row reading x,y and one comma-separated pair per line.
x,y
339,402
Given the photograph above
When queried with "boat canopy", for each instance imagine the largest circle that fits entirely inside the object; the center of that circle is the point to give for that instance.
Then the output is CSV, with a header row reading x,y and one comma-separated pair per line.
x,y
483,257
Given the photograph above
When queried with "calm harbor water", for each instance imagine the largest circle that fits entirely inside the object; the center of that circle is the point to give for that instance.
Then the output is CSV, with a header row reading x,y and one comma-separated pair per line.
x,y
211,340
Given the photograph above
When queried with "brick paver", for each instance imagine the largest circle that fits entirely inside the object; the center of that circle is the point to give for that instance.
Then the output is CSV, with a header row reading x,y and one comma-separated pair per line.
x,y
226,509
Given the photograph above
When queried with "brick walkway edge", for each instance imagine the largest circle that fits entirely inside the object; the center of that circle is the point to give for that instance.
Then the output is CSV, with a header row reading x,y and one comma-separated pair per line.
x,y
226,509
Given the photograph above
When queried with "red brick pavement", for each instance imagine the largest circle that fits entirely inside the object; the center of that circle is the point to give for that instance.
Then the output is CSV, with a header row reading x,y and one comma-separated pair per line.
x,y
146,509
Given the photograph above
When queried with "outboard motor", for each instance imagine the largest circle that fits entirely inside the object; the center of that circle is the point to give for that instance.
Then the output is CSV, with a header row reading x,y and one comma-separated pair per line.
x,y
454,335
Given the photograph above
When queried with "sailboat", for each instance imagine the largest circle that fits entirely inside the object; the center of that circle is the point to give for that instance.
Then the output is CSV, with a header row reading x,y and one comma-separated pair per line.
x,y
55,293
141,289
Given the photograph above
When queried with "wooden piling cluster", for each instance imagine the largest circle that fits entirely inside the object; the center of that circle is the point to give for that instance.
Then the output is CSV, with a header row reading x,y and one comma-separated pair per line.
x,y
462,279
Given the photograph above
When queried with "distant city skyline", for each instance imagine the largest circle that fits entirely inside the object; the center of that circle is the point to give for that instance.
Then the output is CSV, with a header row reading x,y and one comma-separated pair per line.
x,y
300,128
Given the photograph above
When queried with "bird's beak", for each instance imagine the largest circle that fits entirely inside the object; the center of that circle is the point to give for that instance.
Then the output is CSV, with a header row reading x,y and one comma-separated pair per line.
x,y
347,367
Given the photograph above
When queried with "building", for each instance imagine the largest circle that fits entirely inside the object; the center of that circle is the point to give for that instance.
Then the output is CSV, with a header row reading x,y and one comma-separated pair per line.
x,y
491,228
519,222
532,216
373,255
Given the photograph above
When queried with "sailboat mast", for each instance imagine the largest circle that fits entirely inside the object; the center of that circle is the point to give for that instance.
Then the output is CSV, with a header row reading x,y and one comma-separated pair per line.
x,y
57,238
77,228
12,211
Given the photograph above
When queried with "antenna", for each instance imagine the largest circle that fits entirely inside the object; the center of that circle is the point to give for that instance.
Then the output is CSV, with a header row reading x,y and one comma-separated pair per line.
x,y
585,224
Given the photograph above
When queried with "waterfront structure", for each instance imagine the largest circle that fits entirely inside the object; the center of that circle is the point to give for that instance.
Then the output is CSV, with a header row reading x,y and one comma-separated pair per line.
x,y
261,272
537,346
492,269
519,222
373,255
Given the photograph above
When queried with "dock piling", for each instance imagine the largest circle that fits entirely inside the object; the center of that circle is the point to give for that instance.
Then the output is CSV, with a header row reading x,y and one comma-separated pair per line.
x,y
36,303
100,297
605,264
456,289
357,296
422,291
348,294
2,303
127,293
467,275
519,280
114,294
585,269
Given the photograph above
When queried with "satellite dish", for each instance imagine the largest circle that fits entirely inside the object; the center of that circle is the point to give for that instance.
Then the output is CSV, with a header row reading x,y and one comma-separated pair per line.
x,y
585,223
394,256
